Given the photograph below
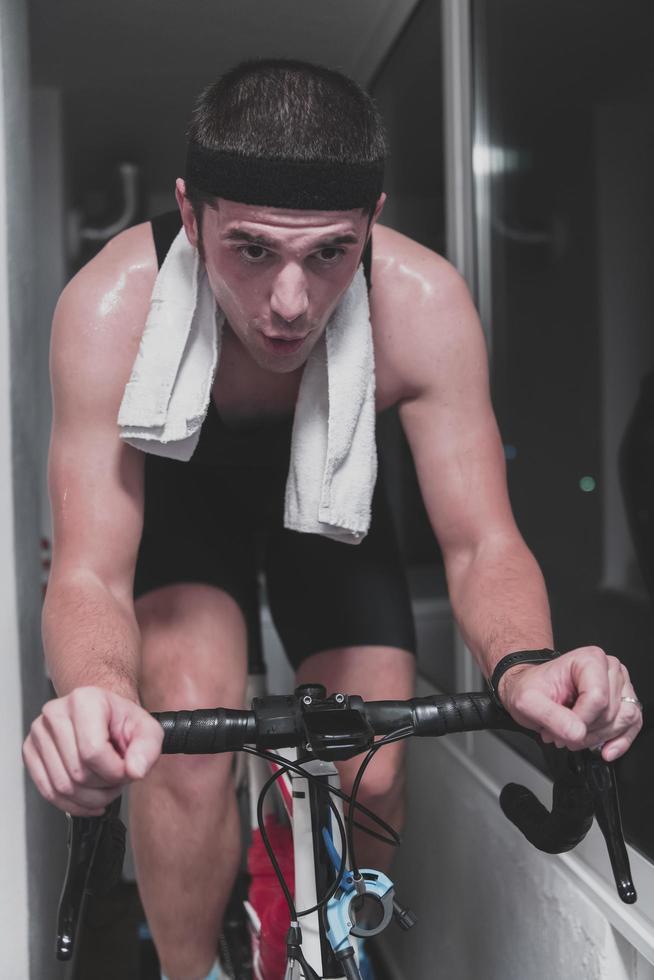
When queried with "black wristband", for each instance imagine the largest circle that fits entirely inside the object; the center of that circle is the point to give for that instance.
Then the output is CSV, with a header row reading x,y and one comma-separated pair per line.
x,y
511,660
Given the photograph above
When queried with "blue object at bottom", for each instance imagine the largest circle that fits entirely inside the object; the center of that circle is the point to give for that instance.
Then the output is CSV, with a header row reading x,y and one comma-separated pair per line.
x,y
365,966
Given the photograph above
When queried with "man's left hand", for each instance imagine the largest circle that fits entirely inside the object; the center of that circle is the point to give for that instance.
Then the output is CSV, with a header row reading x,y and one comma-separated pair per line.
x,y
576,701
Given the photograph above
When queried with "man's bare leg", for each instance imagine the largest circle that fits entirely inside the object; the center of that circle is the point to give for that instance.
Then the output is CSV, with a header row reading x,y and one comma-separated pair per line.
x,y
183,818
375,673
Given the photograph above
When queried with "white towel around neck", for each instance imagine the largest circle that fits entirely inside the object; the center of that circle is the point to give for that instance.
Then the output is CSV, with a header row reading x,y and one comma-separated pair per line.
x,y
333,465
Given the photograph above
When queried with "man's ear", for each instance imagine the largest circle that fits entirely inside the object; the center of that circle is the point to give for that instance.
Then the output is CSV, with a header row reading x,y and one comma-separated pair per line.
x,y
372,219
188,214
379,207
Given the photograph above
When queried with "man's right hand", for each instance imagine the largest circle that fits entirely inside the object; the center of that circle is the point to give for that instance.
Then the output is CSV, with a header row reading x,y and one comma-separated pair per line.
x,y
84,747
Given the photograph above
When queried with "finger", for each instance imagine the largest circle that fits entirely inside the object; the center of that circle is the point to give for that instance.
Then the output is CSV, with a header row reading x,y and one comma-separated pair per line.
x,y
558,722
93,742
591,680
61,731
631,711
618,746
58,776
629,716
80,811
91,800
145,737
37,770
94,798
604,725
94,801
616,685
44,785
628,691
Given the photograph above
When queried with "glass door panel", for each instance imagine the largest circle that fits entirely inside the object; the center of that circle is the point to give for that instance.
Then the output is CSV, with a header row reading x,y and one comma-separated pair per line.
x,y
563,162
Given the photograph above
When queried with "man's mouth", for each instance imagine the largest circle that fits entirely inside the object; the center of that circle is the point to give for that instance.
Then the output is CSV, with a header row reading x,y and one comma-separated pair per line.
x,y
283,345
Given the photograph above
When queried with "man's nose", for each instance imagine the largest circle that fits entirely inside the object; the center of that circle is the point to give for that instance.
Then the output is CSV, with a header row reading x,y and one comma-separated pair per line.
x,y
290,298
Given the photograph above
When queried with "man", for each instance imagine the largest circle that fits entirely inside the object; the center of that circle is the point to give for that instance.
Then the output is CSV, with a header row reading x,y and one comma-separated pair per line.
x,y
149,604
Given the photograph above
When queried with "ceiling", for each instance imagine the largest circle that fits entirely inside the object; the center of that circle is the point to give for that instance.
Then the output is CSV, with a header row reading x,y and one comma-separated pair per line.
x,y
78,43
127,72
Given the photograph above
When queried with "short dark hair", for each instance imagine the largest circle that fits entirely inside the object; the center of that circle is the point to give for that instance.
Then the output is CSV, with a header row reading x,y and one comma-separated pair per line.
x,y
290,110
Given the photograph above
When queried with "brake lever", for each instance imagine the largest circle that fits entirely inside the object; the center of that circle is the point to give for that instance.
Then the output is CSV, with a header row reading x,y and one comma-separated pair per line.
x,y
599,777
83,837
84,841
584,787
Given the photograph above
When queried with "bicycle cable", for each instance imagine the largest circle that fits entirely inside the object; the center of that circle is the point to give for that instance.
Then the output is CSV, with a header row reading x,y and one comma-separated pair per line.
x,y
277,869
398,736
266,841
393,840
346,835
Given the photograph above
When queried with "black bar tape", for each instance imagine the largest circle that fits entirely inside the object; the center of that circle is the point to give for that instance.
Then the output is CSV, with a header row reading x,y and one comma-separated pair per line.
x,y
444,715
206,730
555,832
385,716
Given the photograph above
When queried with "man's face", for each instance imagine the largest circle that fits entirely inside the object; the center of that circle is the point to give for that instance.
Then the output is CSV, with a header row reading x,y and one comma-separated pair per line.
x,y
277,274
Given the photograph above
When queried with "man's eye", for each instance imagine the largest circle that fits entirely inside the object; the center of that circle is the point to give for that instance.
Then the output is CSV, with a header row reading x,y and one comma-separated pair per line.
x,y
330,255
253,253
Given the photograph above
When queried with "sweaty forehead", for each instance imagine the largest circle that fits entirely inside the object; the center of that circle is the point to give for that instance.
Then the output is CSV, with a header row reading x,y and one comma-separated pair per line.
x,y
230,215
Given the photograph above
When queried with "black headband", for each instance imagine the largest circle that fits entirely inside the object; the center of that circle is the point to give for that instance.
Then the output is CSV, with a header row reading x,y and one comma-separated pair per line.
x,y
305,185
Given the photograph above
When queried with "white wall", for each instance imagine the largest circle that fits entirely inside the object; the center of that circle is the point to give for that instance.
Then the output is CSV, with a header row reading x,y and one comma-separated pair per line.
x,y
32,833
49,253
46,272
13,877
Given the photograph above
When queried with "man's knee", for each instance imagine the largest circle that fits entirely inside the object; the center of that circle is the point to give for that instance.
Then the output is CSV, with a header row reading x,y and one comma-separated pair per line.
x,y
383,781
193,649
194,780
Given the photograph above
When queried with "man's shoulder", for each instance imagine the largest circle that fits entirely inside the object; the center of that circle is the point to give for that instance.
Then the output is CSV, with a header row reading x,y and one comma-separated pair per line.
x,y
111,293
125,269
419,306
101,313
406,271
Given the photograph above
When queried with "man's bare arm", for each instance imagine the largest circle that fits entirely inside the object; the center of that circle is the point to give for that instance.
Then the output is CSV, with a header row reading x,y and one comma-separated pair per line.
x,y
95,482
438,358
446,412
94,737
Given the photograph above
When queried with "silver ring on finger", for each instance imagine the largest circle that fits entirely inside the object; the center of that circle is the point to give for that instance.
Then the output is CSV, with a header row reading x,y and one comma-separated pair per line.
x,y
634,701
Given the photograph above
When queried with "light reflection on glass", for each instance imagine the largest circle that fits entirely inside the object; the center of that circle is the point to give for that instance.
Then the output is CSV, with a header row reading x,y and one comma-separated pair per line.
x,y
492,160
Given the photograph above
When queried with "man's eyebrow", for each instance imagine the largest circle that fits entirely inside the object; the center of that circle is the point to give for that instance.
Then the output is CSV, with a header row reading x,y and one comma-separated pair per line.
x,y
348,239
240,235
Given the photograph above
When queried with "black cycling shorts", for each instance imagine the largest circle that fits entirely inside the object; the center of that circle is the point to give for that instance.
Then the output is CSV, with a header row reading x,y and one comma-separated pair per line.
x,y
223,526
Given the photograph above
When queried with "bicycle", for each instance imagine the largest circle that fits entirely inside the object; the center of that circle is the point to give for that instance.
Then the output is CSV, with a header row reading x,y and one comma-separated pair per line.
x,y
336,899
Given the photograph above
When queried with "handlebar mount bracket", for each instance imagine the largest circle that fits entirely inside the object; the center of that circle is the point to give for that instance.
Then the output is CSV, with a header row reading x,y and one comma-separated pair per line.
x,y
335,728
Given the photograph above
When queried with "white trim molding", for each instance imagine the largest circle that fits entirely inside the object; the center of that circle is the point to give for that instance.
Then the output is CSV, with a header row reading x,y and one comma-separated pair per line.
x,y
488,903
493,763
13,858
457,106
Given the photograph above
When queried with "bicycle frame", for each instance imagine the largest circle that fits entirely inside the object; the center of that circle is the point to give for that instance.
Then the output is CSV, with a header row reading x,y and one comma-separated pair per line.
x,y
308,812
